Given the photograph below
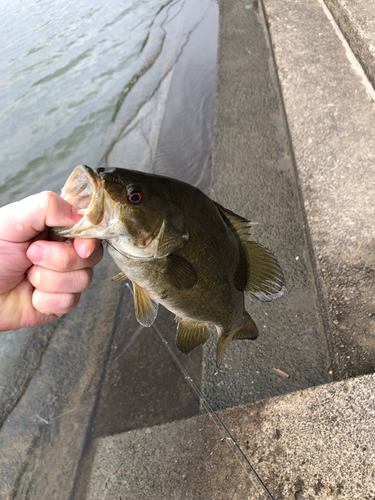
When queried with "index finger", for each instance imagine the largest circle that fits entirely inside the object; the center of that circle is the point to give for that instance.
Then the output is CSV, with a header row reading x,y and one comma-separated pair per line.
x,y
61,256
25,219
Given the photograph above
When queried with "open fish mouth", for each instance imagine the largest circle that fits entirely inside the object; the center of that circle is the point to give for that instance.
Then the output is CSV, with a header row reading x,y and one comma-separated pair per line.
x,y
84,189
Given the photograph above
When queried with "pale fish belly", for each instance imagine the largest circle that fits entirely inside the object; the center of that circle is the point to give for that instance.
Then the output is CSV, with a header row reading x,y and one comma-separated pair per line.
x,y
224,310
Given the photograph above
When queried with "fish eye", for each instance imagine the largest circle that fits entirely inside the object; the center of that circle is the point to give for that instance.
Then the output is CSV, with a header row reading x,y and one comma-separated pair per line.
x,y
135,197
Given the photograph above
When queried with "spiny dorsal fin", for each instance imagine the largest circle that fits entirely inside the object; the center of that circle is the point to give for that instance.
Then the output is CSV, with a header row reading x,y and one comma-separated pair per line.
x,y
119,277
146,309
265,279
240,224
247,331
179,273
190,335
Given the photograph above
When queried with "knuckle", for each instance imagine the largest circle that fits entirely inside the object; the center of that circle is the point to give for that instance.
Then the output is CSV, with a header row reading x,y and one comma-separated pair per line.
x,y
47,198
35,276
66,262
88,277
83,279
71,300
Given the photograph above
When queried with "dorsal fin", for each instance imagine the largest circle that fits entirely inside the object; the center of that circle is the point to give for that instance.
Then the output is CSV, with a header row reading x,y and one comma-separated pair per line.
x,y
146,309
265,279
240,224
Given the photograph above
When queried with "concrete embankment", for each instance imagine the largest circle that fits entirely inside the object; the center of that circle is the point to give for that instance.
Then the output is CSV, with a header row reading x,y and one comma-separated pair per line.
x,y
330,110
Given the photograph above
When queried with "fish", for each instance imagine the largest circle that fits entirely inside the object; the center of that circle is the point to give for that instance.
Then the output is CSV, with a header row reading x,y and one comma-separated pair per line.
x,y
179,248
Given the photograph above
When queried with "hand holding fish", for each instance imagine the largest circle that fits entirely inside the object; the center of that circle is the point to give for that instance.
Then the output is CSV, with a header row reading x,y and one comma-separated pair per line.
x,y
41,275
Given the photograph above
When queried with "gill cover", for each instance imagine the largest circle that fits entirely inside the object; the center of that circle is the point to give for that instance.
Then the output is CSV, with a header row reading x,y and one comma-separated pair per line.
x,y
173,232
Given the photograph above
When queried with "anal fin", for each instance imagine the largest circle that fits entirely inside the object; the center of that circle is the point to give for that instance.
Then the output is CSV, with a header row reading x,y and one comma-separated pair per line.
x,y
191,335
146,309
248,331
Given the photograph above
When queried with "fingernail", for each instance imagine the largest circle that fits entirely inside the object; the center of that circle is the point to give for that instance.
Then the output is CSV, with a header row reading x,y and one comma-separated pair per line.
x,y
75,215
83,250
35,253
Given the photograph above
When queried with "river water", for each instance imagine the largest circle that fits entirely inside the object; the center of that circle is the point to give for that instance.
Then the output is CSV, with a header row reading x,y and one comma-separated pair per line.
x,y
128,84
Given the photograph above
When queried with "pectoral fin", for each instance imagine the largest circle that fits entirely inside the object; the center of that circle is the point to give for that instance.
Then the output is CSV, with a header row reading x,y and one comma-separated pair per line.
x,y
248,331
179,273
119,277
265,279
191,335
146,309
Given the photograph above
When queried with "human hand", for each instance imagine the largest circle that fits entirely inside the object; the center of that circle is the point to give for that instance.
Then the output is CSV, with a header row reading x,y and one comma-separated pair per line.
x,y
41,276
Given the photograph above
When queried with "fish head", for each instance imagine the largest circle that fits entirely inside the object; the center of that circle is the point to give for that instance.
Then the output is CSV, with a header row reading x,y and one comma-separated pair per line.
x,y
129,209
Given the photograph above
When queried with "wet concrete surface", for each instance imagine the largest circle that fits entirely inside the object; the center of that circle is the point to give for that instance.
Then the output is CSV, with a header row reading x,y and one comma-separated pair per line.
x,y
184,151
20,357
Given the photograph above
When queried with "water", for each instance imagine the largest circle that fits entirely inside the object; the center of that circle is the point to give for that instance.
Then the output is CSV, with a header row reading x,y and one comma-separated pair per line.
x,y
89,82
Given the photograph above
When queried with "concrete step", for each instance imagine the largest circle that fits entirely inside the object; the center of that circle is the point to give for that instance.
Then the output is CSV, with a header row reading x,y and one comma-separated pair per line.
x,y
356,20
312,444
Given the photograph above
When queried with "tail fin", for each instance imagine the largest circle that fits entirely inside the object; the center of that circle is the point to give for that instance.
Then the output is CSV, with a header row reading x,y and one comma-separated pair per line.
x,y
247,331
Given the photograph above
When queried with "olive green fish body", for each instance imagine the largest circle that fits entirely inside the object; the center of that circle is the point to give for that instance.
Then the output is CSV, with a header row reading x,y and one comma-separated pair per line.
x,y
179,248
211,256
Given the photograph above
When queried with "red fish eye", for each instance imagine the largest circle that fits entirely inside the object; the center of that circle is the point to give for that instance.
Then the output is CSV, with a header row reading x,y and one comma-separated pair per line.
x,y
135,197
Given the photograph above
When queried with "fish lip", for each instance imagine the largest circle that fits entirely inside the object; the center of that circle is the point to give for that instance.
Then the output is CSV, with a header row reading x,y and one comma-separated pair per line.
x,y
84,189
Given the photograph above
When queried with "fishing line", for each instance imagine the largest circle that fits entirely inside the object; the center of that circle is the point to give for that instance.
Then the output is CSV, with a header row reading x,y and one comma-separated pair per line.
x,y
204,400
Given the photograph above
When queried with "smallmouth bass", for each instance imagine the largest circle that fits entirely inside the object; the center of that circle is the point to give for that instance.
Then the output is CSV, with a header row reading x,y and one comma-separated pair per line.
x,y
179,248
